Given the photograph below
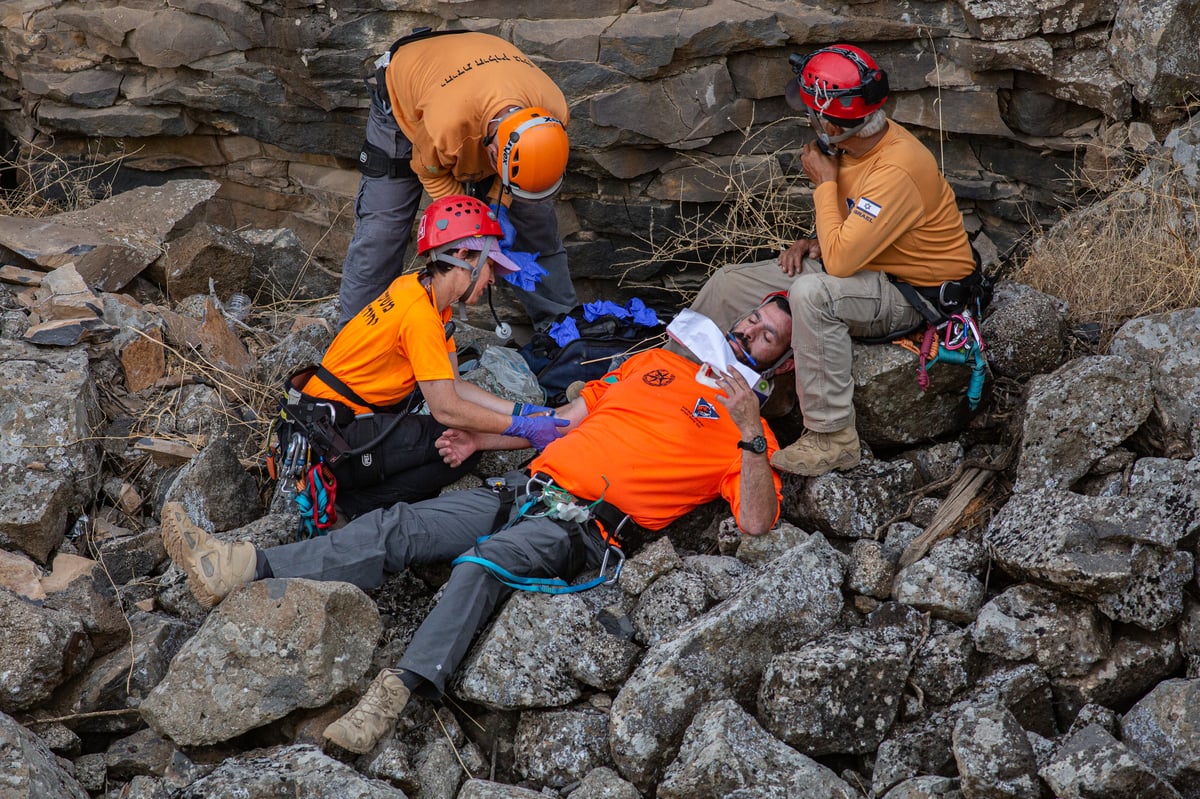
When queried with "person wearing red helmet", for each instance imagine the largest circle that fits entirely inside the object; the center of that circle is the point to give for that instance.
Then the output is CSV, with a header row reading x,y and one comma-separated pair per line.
x,y
460,112
397,357
883,214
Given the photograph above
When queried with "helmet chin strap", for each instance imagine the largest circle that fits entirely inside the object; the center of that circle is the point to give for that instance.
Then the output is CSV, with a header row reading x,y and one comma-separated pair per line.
x,y
816,121
475,269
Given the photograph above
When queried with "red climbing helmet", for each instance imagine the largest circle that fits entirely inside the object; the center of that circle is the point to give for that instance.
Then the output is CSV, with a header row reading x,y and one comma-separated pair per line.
x,y
452,218
841,83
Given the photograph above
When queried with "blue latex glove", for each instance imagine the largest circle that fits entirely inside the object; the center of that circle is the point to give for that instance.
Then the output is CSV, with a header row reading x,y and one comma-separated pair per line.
x,y
537,430
594,310
529,409
642,314
531,273
563,332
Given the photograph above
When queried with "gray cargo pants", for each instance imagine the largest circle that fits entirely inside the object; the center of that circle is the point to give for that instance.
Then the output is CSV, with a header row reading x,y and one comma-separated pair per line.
x,y
438,530
384,211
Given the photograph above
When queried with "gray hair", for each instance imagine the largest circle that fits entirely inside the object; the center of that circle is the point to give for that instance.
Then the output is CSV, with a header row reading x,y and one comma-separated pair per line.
x,y
874,122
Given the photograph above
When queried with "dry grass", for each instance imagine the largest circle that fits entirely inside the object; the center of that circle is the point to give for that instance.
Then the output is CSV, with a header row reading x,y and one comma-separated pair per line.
x,y
764,212
1133,253
49,184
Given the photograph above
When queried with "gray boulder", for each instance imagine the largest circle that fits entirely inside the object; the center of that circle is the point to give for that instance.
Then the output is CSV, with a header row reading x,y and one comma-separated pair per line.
x,y
560,747
995,760
1170,344
1137,661
1118,552
840,694
1091,764
1162,731
721,655
725,750
1063,635
541,651
268,649
42,648
1078,414
30,769
1025,331
218,493
945,592
287,771
849,504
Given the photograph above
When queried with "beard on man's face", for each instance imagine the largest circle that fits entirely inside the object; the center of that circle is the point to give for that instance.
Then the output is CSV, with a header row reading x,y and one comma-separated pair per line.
x,y
742,348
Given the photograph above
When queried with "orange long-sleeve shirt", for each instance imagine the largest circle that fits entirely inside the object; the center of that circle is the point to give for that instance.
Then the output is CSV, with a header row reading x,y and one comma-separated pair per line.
x,y
444,91
892,211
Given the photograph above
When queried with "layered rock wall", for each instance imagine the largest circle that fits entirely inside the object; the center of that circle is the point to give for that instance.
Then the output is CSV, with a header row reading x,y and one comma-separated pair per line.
x,y
668,99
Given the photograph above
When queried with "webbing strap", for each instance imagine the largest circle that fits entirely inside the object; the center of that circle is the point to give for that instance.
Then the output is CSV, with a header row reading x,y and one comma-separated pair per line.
x,y
541,585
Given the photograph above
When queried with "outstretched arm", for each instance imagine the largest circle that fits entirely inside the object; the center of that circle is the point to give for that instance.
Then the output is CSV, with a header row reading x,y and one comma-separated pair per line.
x,y
455,446
759,503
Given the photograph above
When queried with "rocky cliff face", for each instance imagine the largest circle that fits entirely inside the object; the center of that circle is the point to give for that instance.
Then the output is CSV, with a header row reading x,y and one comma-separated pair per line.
x,y
1018,100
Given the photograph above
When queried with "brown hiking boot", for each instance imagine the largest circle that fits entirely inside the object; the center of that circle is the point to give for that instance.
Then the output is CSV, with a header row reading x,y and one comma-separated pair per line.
x,y
372,718
819,453
213,567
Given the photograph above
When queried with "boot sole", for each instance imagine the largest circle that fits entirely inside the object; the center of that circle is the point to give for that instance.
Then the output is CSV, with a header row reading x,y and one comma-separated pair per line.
x,y
840,465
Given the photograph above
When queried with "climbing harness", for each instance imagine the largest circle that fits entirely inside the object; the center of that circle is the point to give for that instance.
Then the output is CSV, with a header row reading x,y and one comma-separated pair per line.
x,y
546,499
963,345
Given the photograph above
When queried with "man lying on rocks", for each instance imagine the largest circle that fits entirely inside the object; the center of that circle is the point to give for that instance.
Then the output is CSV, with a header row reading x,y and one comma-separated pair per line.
x,y
653,439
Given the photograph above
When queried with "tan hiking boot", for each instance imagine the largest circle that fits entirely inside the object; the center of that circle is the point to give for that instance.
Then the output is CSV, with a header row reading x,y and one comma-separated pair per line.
x,y
372,718
819,453
213,567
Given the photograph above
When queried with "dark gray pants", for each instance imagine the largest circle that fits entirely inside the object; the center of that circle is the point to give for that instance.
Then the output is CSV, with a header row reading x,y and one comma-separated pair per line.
x,y
387,541
384,211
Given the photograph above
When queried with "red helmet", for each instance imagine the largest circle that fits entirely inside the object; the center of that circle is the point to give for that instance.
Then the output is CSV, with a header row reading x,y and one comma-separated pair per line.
x,y
841,83
533,151
452,218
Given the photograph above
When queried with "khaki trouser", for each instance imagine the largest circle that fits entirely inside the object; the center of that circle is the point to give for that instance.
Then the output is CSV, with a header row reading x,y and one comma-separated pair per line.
x,y
826,312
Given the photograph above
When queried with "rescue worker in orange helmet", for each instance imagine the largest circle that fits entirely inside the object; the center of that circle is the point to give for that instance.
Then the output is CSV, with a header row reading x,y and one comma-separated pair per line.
x,y
630,452
397,354
883,214
460,112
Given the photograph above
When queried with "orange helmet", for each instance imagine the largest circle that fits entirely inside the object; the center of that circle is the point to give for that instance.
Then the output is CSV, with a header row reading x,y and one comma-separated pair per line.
x,y
533,153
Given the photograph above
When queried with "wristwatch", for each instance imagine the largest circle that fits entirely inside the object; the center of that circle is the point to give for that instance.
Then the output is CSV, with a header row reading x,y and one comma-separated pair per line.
x,y
757,445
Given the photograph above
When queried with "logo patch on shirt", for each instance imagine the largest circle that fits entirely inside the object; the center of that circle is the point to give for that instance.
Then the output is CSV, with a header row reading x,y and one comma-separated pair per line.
x,y
866,209
704,410
658,378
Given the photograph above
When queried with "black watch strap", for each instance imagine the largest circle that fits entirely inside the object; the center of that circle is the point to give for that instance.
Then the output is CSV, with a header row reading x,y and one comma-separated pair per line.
x,y
757,445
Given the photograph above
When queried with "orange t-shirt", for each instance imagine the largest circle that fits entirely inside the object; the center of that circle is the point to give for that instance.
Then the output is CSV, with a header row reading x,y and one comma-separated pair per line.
x,y
662,440
389,346
892,211
444,91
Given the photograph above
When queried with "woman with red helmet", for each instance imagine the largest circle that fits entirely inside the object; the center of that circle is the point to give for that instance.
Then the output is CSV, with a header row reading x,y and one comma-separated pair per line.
x,y
883,214
460,112
396,358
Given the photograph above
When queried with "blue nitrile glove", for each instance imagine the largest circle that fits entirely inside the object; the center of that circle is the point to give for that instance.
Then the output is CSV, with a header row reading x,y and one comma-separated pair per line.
x,y
529,409
537,430
563,332
594,310
642,314
531,272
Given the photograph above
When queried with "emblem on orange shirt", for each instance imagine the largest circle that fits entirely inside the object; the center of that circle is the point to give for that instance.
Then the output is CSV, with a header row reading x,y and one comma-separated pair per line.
x,y
704,410
658,378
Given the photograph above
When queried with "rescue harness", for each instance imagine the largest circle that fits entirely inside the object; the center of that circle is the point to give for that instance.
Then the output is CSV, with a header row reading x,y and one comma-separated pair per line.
x,y
542,497
949,329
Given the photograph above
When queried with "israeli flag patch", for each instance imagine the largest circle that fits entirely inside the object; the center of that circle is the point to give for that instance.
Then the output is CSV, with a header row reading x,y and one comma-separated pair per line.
x,y
867,209
704,410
